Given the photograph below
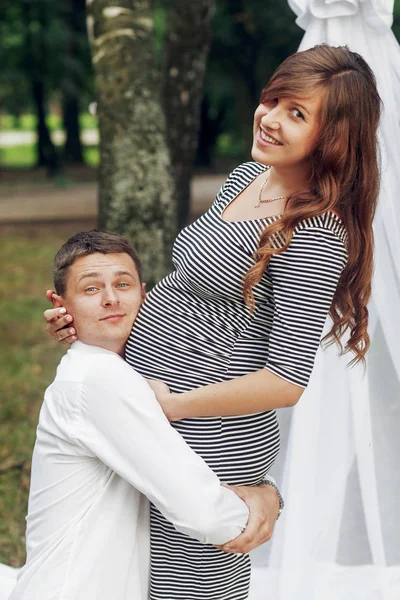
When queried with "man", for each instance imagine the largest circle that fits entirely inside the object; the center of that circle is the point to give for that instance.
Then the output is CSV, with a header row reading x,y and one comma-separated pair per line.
x,y
103,444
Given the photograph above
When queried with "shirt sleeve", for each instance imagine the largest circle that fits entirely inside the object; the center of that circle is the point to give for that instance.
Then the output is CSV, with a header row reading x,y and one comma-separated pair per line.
x,y
304,280
238,179
124,426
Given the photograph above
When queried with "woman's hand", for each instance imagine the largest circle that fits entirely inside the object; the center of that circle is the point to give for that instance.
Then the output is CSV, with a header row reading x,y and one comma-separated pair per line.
x,y
263,504
159,388
59,322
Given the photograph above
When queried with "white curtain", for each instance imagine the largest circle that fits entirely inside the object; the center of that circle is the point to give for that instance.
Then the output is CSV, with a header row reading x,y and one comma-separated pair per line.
x,y
339,535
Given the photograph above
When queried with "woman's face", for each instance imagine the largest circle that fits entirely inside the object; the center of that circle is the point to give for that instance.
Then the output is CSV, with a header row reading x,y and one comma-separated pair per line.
x,y
285,131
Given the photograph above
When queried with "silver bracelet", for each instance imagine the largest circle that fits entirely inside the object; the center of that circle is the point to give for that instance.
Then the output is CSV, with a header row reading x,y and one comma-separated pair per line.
x,y
270,481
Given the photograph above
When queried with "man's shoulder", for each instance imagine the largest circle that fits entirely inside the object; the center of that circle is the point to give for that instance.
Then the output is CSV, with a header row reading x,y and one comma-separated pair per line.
x,y
84,364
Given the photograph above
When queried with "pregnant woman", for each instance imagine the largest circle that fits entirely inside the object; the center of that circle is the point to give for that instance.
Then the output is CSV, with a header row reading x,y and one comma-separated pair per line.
x,y
234,329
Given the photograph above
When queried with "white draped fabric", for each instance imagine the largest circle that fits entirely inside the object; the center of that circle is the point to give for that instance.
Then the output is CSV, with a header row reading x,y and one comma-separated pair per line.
x,y
8,577
339,535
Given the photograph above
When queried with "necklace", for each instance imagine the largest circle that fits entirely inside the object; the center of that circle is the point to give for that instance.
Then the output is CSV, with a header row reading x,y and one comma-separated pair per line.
x,y
261,200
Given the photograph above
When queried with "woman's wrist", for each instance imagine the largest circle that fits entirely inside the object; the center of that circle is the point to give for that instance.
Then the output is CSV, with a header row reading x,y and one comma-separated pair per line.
x,y
174,406
270,481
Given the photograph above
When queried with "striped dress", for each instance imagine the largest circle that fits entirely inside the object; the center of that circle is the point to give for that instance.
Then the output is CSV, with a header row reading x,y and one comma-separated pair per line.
x,y
195,329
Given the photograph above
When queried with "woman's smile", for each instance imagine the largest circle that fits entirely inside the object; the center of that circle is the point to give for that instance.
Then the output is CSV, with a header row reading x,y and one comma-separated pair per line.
x,y
267,139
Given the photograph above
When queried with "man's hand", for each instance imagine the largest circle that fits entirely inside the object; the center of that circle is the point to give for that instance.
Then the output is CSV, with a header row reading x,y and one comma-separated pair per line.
x,y
263,504
59,322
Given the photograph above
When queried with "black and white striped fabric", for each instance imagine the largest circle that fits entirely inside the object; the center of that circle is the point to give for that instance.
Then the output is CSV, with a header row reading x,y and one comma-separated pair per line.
x,y
195,329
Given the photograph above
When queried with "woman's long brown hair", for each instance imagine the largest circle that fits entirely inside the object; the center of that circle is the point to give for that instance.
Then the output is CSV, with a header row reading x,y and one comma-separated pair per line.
x,y
344,179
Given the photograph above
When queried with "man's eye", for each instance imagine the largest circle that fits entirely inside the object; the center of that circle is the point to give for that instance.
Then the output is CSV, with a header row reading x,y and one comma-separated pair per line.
x,y
123,284
91,288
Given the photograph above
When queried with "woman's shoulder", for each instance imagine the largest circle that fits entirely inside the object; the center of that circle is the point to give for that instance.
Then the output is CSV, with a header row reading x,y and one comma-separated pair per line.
x,y
248,170
328,221
238,179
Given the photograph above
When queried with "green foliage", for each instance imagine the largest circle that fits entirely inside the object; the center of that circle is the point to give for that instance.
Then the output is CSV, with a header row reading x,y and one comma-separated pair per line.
x,y
44,53
28,359
159,25
92,155
33,37
396,19
250,39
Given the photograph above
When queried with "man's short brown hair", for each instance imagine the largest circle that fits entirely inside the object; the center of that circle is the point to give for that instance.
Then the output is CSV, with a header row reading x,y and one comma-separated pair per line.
x,y
89,242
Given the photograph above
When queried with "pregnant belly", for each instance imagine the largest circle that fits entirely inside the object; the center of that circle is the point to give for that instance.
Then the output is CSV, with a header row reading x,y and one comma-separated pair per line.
x,y
181,367
240,450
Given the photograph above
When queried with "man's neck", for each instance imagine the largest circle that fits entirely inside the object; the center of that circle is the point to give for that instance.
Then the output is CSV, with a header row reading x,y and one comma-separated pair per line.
x,y
113,345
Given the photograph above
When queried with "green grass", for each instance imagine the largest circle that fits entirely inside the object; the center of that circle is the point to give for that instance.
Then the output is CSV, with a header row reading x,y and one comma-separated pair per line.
x,y
28,358
18,156
27,122
25,156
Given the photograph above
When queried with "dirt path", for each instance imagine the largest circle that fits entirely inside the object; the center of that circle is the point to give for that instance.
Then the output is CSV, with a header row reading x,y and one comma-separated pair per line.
x,y
21,204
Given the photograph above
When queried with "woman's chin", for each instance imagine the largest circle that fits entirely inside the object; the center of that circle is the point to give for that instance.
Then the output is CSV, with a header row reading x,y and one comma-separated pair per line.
x,y
259,156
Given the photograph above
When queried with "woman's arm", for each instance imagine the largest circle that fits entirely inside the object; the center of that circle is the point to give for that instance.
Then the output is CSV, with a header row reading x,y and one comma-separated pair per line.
x,y
253,393
59,322
304,279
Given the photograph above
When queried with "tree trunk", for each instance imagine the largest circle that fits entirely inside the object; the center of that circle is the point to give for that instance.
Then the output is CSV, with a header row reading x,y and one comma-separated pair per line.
x,y
209,131
74,16
46,151
187,45
73,146
75,22
136,185
35,52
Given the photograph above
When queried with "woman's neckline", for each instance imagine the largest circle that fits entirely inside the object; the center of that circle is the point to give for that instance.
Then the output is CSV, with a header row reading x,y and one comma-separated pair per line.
x,y
270,217
264,168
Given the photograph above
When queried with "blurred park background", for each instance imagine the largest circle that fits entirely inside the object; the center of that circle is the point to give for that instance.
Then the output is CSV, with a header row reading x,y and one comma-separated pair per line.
x,y
50,160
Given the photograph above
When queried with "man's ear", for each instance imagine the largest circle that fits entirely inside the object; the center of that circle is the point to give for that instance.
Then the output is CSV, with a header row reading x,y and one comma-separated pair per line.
x,y
57,300
143,291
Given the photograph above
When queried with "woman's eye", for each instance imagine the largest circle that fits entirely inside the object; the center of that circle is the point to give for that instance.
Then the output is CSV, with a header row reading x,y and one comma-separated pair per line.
x,y
297,113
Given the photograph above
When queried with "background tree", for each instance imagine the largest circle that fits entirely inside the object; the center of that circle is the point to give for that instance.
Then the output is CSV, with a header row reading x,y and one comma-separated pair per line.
x,y
187,41
76,76
42,31
250,38
14,86
136,184
45,60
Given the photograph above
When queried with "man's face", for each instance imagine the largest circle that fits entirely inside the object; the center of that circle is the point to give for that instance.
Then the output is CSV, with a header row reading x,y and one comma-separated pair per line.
x,y
103,294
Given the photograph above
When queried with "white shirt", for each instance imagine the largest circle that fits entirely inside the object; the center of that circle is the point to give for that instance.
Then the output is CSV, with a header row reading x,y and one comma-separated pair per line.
x,y
102,442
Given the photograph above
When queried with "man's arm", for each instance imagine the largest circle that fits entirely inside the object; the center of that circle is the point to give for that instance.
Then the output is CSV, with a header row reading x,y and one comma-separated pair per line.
x,y
124,426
